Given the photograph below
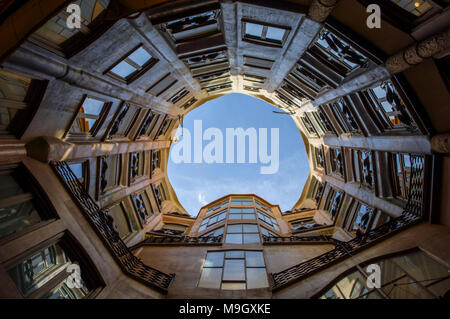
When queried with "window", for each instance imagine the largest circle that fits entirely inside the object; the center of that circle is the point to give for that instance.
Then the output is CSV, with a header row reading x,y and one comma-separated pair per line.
x,y
267,233
124,222
318,193
303,223
362,218
389,107
412,275
124,120
337,54
143,207
323,121
217,206
263,207
56,35
156,160
270,221
416,7
18,206
133,65
192,27
160,194
164,127
13,92
401,164
148,127
337,163
90,117
198,60
189,103
242,213
258,62
234,270
109,172
334,202
214,219
254,78
363,168
242,201
308,125
137,165
261,33
312,84
162,85
43,273
242,234
216,232
318,156
81,171
345,117
178,96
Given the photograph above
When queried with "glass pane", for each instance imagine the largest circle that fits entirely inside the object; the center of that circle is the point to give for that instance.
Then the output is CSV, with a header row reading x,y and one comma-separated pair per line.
x,y
251,238
248,216
235,216
123,69
210,278
218,231
234,254
17,217
253,29
92,106
233,285
234,269
250,228
237,228
257,278
275,33
235,210
214,259
140,56
234,239
254,258
248,210
77,169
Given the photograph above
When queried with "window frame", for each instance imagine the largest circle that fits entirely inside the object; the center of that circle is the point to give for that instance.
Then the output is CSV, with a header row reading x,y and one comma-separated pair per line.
x,y
262,40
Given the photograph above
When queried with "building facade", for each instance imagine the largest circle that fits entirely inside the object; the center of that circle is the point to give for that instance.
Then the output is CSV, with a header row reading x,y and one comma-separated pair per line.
x,y
88,116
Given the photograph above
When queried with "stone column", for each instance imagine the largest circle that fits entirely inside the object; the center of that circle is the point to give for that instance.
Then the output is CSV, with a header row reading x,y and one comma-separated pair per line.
x,y
441,143
419,51
319,10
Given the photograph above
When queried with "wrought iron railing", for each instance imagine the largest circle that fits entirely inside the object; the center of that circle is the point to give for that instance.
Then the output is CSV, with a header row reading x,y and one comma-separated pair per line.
x,y
298,239
104,226
179,240
411,214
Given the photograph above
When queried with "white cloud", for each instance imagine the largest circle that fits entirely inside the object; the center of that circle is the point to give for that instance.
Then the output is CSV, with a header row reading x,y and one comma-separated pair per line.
x,y
201,199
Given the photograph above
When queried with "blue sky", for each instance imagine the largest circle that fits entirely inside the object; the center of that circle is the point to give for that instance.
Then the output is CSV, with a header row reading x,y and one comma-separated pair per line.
x,y
198,184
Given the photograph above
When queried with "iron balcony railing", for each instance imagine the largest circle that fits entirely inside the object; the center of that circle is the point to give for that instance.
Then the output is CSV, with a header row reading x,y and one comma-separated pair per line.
x,y
104,226
298,239
179,240
411,214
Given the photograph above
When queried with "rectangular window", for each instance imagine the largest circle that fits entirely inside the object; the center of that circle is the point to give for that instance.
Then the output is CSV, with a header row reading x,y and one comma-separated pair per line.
x,y
242,213
234,270
124,120
162,85
259,63
262,33
90,117
242,201
164,127
216,207
109,172
255,78
156,160
308,125
334,202
132,65
149,127
242,234
178,96
124,223
268,220
337,163
345,117
401,164
303,223
263,207
212,220
143,207
160,194
137,165
56,35
318,157
389,107
363,168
